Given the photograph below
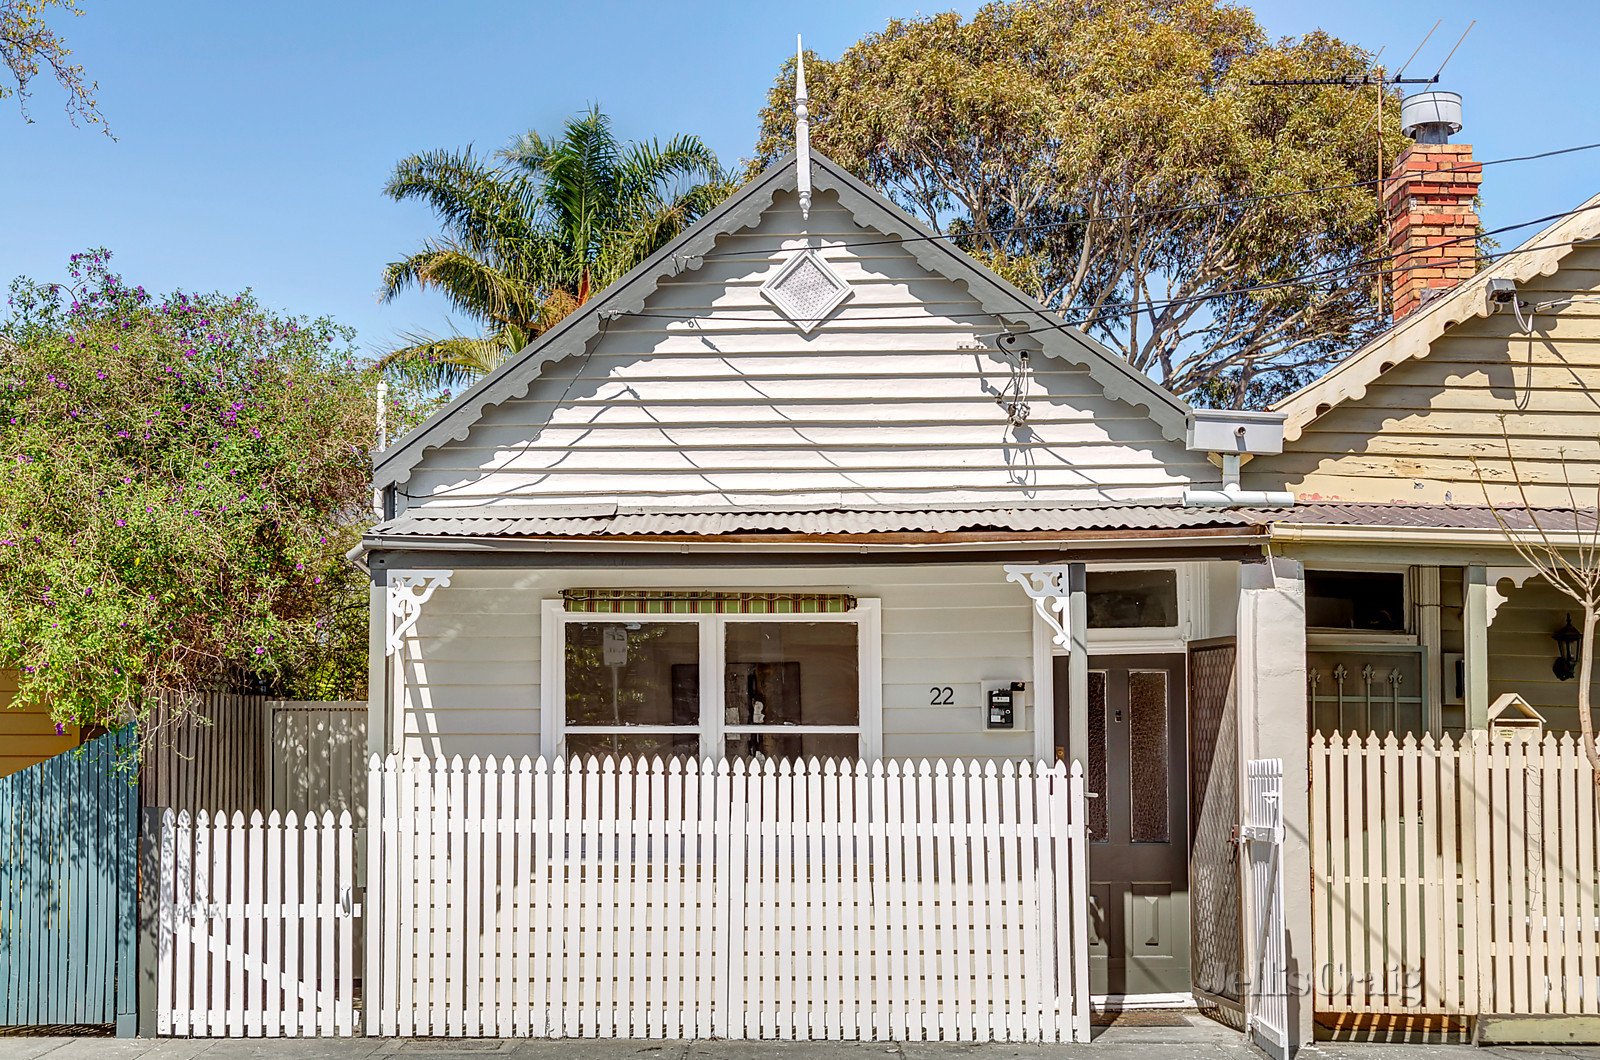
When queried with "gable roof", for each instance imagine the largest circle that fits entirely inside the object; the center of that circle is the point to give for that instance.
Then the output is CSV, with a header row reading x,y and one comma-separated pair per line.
x,y
1412,336
744,209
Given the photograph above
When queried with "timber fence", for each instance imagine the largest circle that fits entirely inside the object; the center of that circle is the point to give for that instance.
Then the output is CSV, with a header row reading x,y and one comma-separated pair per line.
x,y
256,925
774,900
1455,876
68,872
210,756
232,753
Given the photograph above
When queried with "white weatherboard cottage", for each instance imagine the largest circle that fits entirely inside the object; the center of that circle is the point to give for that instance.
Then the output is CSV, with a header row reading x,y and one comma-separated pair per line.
x,y
812,484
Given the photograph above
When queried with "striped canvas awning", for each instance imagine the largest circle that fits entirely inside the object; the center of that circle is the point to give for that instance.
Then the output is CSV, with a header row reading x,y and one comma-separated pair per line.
x,y
702,602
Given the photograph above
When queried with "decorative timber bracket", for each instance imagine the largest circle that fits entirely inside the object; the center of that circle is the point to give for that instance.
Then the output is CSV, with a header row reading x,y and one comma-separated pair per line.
x,y
1518,577
1049,588
408,591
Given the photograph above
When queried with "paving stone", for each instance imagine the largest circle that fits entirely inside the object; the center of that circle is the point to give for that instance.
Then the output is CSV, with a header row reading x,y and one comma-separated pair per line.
x,y
1202,1039
97,1048
293,1048
734,1050
599,1049
21,1047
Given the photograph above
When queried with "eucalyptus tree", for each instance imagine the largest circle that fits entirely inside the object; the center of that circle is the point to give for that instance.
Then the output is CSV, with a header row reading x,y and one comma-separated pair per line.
x,y
30,47
1122,161
536,230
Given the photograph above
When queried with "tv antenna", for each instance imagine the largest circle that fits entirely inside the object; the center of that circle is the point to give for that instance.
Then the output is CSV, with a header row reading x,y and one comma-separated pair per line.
x,y
1382,81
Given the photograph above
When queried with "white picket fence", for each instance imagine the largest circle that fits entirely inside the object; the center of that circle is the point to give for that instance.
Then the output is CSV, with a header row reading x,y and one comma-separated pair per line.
x,y
1455,876
256,928
781,900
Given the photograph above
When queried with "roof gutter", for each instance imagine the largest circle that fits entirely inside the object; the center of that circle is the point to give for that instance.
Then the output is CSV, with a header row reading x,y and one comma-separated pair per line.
x,y
1458,537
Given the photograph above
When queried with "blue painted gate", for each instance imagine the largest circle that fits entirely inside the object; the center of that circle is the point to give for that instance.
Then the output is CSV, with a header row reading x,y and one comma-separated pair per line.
x,y
68,888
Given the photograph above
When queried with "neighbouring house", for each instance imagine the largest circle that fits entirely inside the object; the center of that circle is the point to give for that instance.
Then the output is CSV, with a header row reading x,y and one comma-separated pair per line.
x,y
28,736
810,482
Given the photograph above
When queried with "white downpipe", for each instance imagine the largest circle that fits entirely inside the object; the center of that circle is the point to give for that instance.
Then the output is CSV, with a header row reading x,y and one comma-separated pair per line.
x,y
1234,497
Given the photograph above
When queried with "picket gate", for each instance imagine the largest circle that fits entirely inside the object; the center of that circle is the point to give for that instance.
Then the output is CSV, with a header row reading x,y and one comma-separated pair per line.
x,y
778,900
256,925
1267,997
1455,876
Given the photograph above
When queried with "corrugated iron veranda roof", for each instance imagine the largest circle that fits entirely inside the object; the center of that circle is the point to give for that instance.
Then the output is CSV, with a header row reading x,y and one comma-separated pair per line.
x,y
507,522
612,521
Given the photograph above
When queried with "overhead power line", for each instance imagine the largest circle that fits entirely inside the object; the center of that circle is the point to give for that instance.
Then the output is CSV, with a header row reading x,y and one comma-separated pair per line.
x,y
1294,282
1142,305
1300,279
1365,263
1208,204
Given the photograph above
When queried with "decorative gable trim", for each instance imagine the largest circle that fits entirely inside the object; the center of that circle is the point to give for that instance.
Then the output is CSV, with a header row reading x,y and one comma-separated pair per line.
x,y
745,209
1413,336
806,289
1120,380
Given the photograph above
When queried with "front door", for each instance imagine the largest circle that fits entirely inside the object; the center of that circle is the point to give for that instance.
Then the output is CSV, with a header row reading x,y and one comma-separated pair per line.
x,y
1138,822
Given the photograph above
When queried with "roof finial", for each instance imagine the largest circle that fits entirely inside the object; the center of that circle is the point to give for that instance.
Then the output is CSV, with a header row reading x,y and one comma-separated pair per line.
x,y
802,130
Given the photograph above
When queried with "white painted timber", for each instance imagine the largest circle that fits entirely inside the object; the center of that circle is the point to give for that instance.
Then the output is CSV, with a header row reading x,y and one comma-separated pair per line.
x,y
257,925
471,667
780,901
709,394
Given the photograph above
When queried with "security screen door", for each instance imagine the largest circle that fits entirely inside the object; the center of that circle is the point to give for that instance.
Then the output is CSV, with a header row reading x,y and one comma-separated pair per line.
x,y
1138,823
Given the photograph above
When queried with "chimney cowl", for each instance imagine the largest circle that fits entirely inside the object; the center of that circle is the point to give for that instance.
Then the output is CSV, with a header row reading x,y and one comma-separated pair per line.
x,y
1429,198
1431,117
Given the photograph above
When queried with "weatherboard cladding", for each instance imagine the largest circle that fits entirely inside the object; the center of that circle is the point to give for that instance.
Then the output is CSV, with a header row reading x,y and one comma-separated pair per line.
x,y
1414,336
683,385
1435,428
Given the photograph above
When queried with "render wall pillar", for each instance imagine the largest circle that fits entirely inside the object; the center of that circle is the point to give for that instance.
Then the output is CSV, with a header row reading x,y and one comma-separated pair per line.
x,y
1431,637
1274,723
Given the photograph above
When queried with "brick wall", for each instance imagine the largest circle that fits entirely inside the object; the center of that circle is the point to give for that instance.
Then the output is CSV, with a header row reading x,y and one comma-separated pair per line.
x,y
1429,199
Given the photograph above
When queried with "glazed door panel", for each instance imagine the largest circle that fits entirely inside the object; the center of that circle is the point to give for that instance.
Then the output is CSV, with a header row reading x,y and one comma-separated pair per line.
x,y
1138,823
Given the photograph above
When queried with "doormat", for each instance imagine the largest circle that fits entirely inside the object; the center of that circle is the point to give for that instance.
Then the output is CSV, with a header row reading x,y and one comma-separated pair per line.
x,y
1139,1018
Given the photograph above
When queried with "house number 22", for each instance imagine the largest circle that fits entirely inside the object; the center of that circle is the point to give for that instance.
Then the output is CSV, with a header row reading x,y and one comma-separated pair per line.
x,y
942,696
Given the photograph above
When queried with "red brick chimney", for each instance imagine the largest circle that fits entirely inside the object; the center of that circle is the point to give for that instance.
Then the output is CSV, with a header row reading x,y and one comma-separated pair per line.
x,y
1429,202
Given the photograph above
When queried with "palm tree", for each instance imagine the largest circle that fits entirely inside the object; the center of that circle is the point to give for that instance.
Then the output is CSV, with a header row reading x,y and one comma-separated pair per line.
x,y
534,233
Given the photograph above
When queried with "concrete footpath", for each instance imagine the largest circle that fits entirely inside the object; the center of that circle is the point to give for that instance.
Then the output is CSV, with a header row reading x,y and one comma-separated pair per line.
x,y
1196,1038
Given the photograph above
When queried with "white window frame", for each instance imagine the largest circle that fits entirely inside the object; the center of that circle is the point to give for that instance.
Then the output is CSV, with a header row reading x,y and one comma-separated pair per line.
x,y
1143,640
713,731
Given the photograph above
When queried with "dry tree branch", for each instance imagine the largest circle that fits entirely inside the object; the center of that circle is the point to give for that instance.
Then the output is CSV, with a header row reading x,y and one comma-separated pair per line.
x,y
1577,578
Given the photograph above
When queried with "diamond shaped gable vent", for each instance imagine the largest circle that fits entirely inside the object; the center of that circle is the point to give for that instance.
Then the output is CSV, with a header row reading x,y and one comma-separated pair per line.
x,y
806,290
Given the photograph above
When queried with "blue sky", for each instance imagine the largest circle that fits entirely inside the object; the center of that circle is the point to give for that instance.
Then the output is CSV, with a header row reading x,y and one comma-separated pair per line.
x,y
254,139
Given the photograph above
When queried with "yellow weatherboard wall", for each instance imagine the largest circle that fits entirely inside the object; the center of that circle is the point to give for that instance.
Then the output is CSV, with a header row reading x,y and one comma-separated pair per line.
x,y
27,736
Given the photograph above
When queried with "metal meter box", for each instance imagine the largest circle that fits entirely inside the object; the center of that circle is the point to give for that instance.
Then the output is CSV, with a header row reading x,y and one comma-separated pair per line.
x,y
1001,704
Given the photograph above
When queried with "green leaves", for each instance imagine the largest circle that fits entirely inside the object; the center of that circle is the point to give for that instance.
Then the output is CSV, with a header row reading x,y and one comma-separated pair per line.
x,y
1082,147
534,236
29,46
183,479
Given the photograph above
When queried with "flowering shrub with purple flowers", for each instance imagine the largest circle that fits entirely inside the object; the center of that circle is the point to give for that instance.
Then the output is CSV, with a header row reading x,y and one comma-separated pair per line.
x,y
183,476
